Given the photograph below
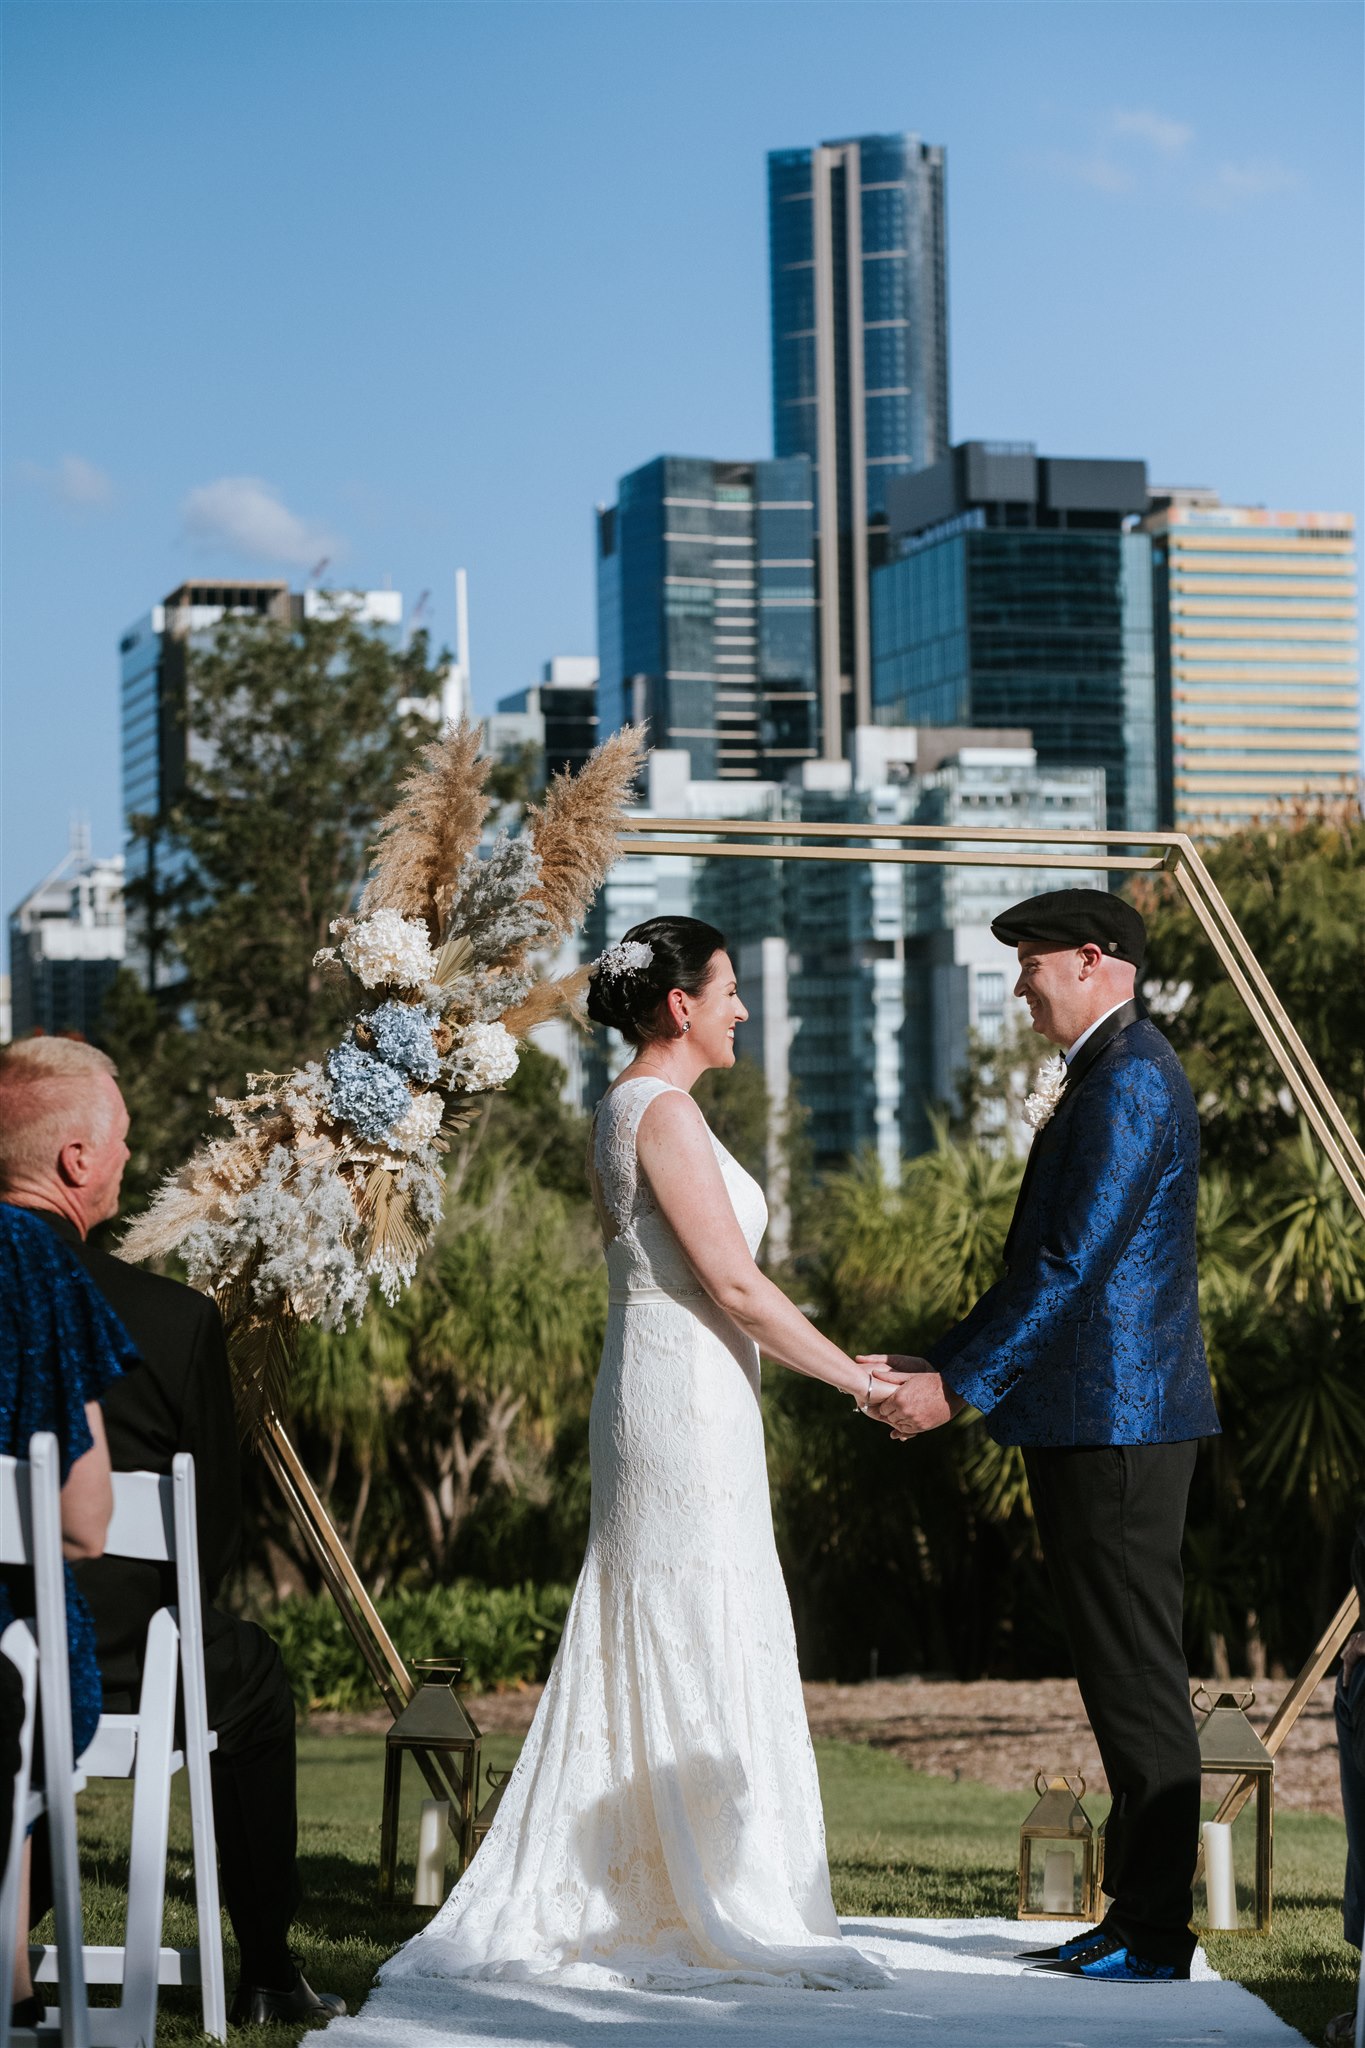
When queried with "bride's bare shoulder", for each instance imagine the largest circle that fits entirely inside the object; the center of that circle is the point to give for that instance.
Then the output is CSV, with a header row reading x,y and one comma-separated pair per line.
x,y
672,1116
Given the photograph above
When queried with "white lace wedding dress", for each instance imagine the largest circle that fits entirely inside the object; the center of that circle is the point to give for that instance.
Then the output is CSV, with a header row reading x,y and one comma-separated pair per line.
x,y
663,1824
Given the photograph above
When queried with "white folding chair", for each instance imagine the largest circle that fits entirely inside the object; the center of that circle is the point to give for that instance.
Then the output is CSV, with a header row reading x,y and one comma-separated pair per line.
x,y
31,1534
18,1644
154,1520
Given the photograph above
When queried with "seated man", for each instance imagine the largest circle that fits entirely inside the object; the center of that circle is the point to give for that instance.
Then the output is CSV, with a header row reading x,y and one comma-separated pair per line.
x,y
62,1153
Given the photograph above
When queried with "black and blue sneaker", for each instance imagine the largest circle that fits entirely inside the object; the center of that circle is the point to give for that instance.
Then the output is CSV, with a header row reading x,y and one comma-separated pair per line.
x,y
1065,1951
1113,1962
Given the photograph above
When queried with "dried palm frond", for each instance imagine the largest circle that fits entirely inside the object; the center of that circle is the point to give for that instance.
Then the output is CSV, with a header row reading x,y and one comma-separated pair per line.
x,y
576,829
547,999
262,1345
435,824
391,1229
453,960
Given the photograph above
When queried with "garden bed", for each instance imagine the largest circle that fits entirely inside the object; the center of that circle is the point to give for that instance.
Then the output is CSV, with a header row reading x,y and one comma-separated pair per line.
x,y
994,1733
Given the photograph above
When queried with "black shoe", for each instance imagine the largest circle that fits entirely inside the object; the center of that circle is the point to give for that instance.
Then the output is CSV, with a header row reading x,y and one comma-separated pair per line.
x,y
1113,1962
27,2012
255,2005
1065,1951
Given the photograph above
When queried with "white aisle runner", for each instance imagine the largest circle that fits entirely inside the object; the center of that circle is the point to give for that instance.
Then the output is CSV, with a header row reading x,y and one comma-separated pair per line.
x,y
957,1982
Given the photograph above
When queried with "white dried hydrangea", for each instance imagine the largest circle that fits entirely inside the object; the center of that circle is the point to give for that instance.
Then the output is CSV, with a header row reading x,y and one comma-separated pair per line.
x,y
421,1123
386,950
485,1056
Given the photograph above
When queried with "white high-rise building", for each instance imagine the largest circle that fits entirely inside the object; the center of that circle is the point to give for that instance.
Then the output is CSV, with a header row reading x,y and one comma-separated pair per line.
x,y
66,944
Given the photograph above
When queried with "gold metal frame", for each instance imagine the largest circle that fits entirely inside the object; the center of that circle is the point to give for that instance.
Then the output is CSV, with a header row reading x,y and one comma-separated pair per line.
x,y
956,845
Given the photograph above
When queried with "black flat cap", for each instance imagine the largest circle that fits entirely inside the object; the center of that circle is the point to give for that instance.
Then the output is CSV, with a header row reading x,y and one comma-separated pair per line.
x,y
1075,917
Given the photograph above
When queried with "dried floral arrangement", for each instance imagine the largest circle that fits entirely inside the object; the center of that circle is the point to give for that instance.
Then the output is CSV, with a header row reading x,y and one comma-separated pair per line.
x,y
330,1179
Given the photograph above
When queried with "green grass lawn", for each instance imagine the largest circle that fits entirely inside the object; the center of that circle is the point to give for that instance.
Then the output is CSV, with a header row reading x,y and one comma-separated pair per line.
x,y
899,1843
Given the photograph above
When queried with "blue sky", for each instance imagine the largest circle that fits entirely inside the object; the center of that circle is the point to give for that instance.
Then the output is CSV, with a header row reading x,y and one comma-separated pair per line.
x,y
412,285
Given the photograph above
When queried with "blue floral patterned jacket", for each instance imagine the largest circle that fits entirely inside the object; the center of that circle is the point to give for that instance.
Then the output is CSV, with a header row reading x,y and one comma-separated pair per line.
x,y
1092,1336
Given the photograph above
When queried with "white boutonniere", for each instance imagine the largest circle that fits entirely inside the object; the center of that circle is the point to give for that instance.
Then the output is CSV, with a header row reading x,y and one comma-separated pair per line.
x,y
1039,1106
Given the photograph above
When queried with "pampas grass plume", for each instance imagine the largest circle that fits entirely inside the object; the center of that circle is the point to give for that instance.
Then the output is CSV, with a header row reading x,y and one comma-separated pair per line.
x,y
426,837
575,830
547,999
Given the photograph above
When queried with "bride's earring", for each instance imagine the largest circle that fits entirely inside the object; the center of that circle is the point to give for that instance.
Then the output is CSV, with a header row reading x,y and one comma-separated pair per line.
x,y
687,1023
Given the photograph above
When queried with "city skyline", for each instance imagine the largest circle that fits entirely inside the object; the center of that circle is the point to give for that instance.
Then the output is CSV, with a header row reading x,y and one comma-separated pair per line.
x,y
1130,265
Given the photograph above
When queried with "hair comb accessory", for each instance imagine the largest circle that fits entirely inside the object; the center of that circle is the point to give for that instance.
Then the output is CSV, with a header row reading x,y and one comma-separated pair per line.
x,y
631,956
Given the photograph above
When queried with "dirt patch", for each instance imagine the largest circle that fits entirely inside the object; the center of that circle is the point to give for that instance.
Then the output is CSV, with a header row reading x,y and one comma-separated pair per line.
x,y
995,1734
1001,1734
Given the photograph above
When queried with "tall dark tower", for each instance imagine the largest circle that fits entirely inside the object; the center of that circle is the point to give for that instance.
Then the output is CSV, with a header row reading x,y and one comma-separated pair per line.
x,y
860,366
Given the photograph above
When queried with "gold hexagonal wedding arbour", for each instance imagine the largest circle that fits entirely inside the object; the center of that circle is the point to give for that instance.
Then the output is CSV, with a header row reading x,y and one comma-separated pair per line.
x,y
955,845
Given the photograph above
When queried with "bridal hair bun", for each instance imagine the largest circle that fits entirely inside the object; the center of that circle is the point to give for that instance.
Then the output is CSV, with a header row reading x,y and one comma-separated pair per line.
x,y
631,980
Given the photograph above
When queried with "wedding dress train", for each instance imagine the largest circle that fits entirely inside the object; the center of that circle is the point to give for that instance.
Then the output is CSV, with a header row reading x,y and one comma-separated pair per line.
x,y
663,1824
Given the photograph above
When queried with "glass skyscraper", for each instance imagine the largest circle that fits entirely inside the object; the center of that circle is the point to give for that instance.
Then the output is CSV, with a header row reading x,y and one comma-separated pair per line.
x,y
858,273
706,612
1019,596
1257,659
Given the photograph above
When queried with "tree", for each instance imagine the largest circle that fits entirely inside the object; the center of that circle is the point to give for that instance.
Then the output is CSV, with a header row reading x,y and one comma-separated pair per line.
x,y
736,1105
430,1408
297,738
1282,1254
517,777
1296,886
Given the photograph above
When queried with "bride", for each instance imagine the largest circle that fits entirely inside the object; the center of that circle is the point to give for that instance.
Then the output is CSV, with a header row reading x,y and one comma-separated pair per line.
x,y
663,1824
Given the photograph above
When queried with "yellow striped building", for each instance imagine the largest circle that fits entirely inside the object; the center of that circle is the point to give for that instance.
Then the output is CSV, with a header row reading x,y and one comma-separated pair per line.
x,y
1258,672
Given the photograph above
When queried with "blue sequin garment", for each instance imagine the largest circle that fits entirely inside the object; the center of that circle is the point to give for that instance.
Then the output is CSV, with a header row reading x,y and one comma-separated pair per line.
x,y
1093,1335
60,1346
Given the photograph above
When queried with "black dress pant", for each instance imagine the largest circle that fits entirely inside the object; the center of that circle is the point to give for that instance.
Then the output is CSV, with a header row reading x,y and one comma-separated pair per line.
x,y
255,1798
255,1806
1111,1520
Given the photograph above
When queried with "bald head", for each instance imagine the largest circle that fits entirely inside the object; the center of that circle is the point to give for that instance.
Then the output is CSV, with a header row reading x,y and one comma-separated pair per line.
x,y
1069,988
62,1129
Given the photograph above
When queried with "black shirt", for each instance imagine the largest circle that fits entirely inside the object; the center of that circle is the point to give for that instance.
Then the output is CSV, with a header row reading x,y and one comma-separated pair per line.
x,y
179,1398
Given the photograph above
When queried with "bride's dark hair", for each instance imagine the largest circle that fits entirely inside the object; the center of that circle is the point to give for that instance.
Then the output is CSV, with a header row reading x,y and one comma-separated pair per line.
x,y
632,1000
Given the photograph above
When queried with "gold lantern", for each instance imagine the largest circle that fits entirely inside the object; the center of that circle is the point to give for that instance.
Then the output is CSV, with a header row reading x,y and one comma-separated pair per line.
x,y
496,1781
1058,1878
1229,1747
437,1728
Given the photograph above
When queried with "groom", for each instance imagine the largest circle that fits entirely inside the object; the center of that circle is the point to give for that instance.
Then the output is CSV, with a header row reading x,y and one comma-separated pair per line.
x,y
1088,1353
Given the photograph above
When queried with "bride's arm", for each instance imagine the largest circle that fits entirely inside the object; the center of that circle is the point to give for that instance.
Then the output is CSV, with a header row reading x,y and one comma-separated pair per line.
x,y
674,1149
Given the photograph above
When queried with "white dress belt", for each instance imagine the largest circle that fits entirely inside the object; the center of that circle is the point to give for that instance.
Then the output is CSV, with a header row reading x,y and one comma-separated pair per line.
x,y
626,1297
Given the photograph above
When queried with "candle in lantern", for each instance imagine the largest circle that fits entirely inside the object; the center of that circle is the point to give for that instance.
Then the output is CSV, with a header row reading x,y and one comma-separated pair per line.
x,y
432,1828
1219,1880
1059,1881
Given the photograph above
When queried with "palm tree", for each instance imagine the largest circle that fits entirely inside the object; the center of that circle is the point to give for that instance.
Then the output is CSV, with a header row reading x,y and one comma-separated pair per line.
x,y
458,1391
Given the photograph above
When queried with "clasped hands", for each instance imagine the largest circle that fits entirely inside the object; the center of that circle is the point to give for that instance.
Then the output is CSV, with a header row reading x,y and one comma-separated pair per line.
x,y
916,1401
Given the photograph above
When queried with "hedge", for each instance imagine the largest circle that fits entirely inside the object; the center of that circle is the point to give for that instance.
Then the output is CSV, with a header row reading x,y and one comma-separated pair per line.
x,y
502,1635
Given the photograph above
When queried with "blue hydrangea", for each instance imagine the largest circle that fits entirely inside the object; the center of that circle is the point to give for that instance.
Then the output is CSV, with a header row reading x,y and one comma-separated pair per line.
x,y
365,1092
402,1039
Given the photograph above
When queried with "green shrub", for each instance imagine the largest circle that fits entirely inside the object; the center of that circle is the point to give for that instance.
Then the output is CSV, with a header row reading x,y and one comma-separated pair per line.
x,y
502,1635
